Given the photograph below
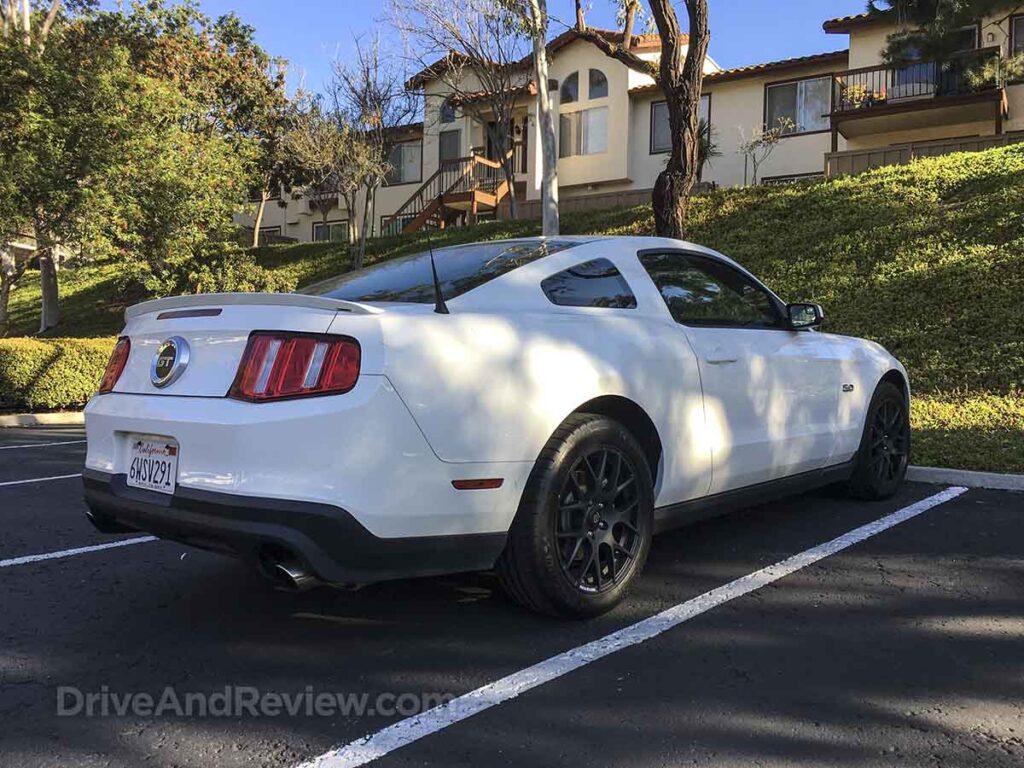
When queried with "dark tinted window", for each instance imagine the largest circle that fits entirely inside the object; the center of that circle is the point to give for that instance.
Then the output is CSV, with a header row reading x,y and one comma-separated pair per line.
x,y
459,269
594,283
703,291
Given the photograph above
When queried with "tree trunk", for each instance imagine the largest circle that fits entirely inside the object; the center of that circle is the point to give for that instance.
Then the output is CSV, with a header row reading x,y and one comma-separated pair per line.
x,y
264,196
682,86
549,151
364,230
49,315
5,299
11,270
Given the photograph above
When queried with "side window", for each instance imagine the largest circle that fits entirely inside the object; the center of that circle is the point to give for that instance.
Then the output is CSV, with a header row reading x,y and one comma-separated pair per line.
x,y
570,88
594,283
705,292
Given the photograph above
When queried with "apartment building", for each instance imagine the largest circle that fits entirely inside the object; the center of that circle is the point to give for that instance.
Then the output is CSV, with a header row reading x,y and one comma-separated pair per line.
x,y
846,111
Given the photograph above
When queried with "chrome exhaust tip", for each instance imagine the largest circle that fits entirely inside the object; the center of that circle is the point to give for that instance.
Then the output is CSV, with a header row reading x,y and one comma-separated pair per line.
x,y
292,576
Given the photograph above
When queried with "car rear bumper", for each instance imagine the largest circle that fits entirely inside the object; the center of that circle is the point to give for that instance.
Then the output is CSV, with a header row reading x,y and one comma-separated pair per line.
x,y
361,452
327,539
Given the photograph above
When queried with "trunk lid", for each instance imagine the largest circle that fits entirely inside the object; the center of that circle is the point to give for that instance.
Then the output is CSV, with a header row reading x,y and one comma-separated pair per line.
x,y
216,328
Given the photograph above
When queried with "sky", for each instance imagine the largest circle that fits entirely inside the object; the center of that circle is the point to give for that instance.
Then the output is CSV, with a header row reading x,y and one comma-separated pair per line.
x,y
310,33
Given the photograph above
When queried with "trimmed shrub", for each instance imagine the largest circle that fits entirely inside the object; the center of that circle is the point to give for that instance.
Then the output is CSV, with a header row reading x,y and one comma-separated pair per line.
x,y
51,374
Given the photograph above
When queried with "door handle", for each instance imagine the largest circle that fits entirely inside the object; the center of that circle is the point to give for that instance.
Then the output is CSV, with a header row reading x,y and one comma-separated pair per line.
x,y
719,356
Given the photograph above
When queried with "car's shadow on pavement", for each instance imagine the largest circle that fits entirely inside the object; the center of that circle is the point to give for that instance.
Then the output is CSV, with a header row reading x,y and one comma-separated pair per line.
x,y
811,667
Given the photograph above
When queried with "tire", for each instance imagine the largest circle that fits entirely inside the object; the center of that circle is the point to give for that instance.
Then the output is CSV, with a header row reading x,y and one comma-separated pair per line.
x,y
884,453
575,545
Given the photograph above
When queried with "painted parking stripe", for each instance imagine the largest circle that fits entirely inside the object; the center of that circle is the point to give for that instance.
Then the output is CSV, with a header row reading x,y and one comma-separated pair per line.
x,y
40,479
412,729
25,560
40,445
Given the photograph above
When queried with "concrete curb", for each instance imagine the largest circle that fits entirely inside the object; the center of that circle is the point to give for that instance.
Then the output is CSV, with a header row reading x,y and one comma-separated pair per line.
x,y
992,480
61,419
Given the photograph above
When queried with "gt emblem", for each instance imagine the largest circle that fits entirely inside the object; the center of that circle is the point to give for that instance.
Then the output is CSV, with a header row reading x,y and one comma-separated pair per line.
x,y
847,387
169,362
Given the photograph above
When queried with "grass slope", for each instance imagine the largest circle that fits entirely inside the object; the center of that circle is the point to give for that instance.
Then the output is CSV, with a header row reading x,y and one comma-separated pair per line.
x,y
927,259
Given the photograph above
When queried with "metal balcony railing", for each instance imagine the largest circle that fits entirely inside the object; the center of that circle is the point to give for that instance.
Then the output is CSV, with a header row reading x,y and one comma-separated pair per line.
x,y
962,73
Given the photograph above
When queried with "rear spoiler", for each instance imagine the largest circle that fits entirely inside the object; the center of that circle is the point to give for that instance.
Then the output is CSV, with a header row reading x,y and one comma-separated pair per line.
x,y
251,299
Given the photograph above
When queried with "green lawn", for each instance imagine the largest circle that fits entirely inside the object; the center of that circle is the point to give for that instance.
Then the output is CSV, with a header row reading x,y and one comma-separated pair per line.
x,y
927,259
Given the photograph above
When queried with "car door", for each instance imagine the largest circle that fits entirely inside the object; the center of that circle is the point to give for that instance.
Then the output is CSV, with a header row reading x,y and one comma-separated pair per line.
x,y
770,392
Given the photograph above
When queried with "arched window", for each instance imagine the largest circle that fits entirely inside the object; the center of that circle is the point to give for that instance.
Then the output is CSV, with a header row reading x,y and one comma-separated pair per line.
x,y
598,84
447,112
571,88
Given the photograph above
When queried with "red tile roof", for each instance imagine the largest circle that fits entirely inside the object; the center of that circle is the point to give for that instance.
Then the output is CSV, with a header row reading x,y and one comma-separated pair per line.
x,y
755,70
640,44
846,23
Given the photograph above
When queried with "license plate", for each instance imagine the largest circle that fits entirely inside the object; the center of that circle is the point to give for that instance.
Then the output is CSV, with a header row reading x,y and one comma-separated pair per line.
x,y
153,464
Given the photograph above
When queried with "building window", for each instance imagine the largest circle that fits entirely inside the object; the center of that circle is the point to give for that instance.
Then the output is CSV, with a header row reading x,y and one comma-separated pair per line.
x,y
447,112
598,85
330,232
390,225
1017,35
661,134
594,283
583,133
406,162
449,146
805,104
570,91
965,39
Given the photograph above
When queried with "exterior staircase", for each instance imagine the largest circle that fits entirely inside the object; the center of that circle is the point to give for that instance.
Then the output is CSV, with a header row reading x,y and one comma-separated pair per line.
x,y
453,195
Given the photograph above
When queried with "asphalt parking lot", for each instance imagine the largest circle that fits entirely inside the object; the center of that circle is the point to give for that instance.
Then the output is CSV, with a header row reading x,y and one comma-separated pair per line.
x,y
904,648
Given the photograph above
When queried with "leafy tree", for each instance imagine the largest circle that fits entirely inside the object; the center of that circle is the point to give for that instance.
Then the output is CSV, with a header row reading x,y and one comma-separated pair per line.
x,y
61,95
132,134
369,94
928,29
333,161
680,77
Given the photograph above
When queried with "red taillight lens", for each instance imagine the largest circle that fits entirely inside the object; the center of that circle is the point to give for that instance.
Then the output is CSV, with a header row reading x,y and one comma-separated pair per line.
x,y
276,366
115,366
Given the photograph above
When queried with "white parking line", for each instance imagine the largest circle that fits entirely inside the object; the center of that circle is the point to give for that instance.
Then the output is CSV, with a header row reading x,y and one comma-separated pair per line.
x,y
412,729
40,479
76,551
40,445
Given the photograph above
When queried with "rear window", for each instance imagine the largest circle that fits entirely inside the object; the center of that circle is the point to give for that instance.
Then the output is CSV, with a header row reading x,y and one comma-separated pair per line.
x,y
459,269
594,283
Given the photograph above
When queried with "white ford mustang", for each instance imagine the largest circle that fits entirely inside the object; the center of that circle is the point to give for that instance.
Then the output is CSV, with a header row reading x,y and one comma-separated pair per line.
x,y
541,407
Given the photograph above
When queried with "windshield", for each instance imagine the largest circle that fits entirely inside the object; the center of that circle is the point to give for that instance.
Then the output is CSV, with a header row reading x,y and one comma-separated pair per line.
x,y
459,269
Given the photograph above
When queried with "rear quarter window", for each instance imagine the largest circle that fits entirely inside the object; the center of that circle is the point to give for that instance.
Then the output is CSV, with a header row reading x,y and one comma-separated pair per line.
x,y
596,283
459,269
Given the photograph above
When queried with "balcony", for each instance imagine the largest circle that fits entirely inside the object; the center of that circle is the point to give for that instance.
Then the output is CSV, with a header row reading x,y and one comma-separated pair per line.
x,y
964,88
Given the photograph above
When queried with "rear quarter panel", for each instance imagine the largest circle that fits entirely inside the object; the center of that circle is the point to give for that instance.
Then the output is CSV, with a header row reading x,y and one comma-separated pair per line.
x,y
492,387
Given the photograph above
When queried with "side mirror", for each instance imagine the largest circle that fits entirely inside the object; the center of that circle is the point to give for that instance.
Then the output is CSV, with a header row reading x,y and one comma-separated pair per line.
x,y
805,315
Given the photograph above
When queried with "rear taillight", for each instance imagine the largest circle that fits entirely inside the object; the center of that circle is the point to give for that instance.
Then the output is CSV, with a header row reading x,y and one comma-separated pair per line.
x,y
115,366
279,365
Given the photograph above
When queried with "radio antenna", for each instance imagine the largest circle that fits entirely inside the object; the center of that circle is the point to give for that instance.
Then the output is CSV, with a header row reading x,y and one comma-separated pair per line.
x,y
439,306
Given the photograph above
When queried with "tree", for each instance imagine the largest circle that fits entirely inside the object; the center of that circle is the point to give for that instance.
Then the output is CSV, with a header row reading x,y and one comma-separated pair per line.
x,y
474,47
369,94
680,79
333,161
60,93
708,147
759,147
534,15
932,29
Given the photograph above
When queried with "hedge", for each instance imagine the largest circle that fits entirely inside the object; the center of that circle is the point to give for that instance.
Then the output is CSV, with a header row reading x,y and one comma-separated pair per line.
x,y
51,374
